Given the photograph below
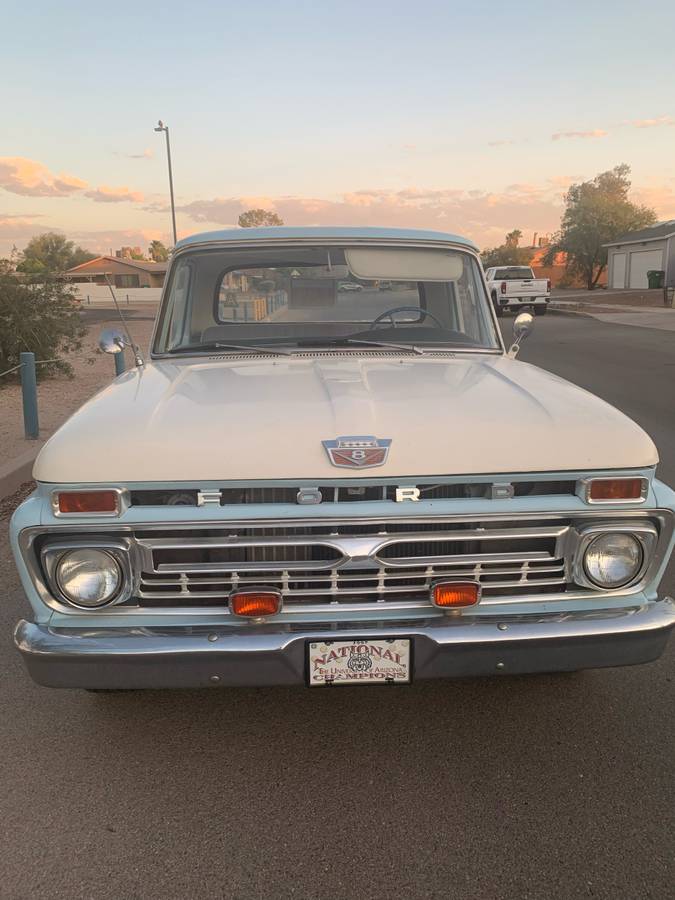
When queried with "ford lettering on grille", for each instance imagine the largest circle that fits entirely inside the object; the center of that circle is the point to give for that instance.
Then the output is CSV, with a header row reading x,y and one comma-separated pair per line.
x,y
357,452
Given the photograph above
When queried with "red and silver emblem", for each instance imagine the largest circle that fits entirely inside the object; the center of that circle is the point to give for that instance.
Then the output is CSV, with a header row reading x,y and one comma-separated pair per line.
x,y
357,452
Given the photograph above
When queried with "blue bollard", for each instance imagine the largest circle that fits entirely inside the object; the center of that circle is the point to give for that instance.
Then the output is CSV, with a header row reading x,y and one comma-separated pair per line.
x,y
119,362
31,423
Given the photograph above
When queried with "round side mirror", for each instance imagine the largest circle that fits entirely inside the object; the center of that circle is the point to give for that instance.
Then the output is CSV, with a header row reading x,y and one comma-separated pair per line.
x,y
522,326
112,341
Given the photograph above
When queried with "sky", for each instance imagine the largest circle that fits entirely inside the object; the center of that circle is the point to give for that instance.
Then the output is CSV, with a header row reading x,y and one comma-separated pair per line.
x,y
466,117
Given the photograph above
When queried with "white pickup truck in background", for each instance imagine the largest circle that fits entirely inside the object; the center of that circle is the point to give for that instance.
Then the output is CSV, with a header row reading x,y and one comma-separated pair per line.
x,y
514,287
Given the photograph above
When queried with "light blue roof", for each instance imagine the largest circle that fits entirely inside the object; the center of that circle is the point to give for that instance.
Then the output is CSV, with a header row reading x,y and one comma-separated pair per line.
x,y
290,233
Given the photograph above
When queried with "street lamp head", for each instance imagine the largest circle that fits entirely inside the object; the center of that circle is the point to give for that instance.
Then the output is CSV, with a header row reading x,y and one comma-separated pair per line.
x,y
160,126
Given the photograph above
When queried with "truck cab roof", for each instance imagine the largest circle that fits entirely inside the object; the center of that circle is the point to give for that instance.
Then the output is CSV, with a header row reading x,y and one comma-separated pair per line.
x,y
321,233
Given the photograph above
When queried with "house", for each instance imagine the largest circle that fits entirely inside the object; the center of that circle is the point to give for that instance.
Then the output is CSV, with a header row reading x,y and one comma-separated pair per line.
x,y
122,272
631,256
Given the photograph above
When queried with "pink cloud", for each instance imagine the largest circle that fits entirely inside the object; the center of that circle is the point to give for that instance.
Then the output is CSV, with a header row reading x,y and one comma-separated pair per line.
x,y
29,178
105,194
661,198
485,216
500,143
595,133
653,123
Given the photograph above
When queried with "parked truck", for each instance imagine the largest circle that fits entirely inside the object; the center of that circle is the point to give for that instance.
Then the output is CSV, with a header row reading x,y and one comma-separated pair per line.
x,y
516,288
362,488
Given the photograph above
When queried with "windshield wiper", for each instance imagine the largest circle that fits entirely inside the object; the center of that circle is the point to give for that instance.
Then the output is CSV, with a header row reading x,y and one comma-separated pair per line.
x,y
339,342
218,345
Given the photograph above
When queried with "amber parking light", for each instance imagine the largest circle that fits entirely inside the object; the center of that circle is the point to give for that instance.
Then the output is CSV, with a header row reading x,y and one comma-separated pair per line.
x,y
255,604
455,594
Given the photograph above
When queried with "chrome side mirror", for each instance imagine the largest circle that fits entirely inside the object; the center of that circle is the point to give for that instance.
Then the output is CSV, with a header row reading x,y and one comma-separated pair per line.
x,y
112,341
522,328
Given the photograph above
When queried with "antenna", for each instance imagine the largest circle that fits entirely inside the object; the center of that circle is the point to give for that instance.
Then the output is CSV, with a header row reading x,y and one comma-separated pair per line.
x,y
138,359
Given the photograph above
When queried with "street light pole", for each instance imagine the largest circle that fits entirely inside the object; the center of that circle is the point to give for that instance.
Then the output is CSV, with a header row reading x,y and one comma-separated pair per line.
x,y
165,128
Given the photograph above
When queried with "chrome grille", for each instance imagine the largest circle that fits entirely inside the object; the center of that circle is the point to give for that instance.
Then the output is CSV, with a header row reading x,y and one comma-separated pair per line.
x,y
353,564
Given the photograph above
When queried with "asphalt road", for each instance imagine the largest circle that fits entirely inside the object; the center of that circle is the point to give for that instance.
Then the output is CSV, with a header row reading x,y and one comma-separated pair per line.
x,y
505,787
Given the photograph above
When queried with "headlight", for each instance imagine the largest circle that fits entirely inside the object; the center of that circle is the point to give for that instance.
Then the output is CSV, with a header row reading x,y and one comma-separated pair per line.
x,y
88,577
613,559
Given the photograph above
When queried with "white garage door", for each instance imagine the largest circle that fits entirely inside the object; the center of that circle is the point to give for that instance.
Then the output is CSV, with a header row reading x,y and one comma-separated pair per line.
x,y
640,263
619,270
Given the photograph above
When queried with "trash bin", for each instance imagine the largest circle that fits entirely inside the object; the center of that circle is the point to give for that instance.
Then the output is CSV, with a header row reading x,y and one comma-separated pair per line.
x,y
655,278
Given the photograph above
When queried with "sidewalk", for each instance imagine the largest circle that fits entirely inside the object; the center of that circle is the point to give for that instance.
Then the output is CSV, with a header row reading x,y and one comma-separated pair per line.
x,y
602,296
661,318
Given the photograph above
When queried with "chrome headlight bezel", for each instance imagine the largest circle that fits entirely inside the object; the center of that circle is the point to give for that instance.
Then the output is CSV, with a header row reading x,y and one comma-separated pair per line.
x,y
644,533
52,554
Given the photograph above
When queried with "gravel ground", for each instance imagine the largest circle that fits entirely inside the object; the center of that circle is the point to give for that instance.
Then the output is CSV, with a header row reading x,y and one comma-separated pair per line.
x,y
59,397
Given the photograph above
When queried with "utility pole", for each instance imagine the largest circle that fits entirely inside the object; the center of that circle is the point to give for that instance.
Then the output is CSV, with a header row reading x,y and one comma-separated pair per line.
x,y
165,128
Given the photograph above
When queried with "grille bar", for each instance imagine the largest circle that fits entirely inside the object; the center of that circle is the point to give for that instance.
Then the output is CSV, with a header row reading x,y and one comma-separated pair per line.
x,y
393,564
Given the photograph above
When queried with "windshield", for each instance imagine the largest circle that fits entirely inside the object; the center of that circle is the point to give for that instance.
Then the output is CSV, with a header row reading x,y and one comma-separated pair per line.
x,y
517,273
287,298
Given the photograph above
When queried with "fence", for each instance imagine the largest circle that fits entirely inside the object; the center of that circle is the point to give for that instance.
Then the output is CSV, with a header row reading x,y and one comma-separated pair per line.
x,y
99,295
28,366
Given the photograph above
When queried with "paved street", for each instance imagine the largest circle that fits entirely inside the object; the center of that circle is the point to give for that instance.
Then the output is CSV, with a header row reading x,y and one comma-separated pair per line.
x,y
513,787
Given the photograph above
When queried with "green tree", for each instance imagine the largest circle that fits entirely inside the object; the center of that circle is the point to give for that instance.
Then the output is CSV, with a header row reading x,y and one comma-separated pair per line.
x,y
508,253
38,313
596,212
158,252
254,218
51,253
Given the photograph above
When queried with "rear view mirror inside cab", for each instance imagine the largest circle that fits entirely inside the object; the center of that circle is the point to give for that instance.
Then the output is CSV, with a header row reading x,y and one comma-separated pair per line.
x,y
374,264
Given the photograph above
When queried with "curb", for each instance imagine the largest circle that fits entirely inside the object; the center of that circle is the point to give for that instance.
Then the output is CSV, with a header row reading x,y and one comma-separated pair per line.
x,y
18,471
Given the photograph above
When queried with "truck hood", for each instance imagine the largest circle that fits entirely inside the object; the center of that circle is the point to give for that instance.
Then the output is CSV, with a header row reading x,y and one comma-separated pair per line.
x,y
263,419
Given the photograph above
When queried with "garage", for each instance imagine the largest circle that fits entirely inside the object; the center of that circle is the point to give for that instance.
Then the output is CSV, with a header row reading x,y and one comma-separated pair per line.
x,y
639,263
633,255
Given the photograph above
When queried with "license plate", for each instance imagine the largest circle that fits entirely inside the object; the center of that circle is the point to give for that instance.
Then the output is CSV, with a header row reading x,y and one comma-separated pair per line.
x,y
371,661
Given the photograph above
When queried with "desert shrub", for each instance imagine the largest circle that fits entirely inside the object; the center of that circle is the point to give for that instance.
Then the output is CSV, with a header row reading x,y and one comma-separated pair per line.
x,y
41,315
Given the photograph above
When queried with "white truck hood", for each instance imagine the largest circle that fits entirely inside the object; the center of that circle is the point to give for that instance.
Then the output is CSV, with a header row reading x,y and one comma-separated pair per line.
x,y
230,419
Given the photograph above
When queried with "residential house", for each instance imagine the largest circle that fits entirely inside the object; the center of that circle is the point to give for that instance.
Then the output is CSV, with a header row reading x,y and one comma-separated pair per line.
x,y
122,272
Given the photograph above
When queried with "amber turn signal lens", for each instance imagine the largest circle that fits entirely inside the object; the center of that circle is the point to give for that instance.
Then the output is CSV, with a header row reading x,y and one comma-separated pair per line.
x,y
254,604
455,594
88,502
608,489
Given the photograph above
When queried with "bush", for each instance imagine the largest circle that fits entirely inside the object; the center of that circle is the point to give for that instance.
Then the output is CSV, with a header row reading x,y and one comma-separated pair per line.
x,y
40,315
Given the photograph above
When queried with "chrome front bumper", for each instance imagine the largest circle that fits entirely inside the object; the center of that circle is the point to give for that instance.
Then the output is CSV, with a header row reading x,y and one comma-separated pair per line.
x,y
234,656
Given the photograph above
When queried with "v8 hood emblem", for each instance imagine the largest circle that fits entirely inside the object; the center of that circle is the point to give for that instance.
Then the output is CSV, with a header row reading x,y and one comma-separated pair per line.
x,y
357,451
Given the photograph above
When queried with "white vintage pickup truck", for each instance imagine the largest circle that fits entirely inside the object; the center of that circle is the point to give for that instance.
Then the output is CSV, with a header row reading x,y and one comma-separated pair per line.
x,y
302,484
517,288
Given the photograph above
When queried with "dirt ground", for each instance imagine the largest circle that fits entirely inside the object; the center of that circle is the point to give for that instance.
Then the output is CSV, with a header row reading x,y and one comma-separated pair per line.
x,y
60,396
